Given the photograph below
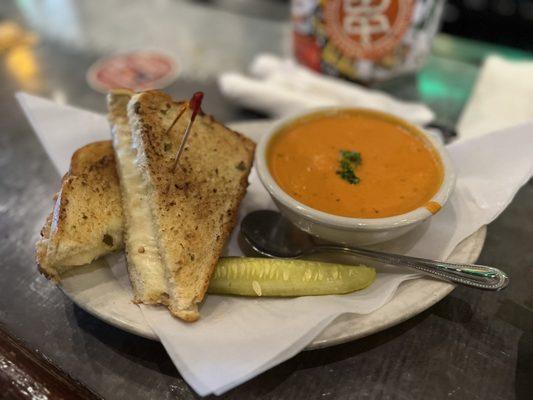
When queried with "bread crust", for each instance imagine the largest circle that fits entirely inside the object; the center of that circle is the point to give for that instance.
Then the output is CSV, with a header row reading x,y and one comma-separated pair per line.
x,y
194,208
86,221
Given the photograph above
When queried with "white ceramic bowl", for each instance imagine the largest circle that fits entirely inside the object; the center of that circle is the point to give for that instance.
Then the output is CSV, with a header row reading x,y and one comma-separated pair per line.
x,y
347,230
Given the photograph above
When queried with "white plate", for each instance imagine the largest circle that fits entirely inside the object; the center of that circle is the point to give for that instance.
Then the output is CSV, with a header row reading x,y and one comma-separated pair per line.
x,y
95,289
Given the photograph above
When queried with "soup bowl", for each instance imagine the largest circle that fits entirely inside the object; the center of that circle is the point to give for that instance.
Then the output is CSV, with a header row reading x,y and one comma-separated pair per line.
x,y
346,229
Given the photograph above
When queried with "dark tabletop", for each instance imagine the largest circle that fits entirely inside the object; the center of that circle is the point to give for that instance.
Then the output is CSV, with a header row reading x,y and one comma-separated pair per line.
x,y
471,345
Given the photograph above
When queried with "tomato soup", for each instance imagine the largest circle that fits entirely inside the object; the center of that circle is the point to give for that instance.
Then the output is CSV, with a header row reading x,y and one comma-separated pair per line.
x,y
355,163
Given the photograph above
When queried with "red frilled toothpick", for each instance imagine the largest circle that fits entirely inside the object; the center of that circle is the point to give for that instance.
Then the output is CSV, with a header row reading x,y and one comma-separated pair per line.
x,y
195,104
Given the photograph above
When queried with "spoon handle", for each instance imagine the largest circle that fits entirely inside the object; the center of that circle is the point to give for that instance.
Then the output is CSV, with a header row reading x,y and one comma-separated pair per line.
x,y
477,276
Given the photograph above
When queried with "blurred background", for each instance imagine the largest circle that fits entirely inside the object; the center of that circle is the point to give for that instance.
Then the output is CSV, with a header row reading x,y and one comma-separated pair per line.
x,y
63,38
505,22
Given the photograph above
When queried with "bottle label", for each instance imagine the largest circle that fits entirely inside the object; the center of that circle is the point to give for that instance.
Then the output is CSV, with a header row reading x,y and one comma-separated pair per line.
x,y
367,29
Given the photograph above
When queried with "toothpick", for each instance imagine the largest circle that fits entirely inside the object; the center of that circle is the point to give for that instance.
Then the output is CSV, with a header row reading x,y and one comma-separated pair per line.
x,y
176,119
194,104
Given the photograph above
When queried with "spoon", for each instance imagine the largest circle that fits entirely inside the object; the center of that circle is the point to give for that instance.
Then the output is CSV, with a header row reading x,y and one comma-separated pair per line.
x,y
272,235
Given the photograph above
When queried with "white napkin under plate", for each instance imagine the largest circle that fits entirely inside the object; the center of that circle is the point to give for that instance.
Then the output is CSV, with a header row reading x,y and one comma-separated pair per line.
x,y
502,97
280,87
239,338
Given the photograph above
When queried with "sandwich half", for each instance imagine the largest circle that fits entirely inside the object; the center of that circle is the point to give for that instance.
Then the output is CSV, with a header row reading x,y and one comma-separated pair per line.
x,y
86,221
193,208
145,268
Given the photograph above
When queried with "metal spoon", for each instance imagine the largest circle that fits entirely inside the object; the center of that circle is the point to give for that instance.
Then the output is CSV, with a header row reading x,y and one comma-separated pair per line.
x,y
272,235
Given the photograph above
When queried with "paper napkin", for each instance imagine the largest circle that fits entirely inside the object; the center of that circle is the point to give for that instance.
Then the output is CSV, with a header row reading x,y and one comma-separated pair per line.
x,y
238,338
502,97
280,87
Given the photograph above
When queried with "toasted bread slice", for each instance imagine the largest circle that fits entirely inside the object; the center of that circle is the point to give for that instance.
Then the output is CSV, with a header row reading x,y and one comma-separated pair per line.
x,y
86,222
145,268
194,209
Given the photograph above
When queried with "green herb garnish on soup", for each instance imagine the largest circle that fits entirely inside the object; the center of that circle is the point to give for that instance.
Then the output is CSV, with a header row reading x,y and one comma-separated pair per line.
x,y
348,162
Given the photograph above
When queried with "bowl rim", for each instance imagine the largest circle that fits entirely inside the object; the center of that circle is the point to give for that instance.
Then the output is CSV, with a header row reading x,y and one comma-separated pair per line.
x,y
349,223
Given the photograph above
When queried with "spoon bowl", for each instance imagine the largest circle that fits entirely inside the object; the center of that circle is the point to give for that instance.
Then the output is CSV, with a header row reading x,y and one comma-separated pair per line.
x,y
272,235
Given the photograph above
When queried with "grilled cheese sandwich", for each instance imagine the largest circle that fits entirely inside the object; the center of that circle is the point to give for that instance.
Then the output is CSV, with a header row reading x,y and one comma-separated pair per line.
x,y
86,221
174,222
194,208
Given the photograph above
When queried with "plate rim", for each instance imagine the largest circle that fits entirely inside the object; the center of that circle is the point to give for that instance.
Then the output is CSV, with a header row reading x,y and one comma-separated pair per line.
x,y
319,342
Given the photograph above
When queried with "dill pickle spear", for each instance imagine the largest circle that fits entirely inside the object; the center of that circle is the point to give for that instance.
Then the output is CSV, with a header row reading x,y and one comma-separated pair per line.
x,y
276,277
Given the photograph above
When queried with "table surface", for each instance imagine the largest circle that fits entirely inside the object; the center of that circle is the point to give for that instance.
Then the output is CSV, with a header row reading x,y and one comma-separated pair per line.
x,y
471,345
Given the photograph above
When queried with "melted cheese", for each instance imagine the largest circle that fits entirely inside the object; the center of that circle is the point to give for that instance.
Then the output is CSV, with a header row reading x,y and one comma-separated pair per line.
x,y
141,245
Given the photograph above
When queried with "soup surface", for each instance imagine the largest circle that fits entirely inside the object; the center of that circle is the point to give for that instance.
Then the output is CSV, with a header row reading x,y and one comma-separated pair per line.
x,y
399,169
